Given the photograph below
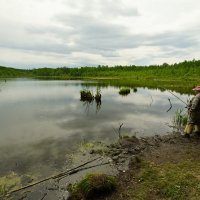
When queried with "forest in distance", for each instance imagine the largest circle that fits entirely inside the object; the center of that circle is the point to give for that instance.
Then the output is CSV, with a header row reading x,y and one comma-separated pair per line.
x,y
187,70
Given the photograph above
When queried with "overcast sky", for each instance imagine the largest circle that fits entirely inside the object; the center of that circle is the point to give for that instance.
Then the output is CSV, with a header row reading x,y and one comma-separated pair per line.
x,y
73,33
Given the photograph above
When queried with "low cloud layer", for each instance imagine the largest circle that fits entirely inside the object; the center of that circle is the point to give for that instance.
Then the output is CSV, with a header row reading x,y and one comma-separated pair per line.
x,y
79,33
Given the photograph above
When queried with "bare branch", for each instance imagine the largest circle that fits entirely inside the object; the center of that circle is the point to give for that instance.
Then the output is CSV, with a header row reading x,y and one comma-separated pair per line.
x,y
170,105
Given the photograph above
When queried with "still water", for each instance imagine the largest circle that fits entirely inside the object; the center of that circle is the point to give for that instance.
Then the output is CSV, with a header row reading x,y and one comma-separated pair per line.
x,y
42,121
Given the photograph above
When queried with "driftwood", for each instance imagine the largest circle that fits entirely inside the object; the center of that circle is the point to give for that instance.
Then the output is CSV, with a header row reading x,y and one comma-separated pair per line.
x,y
66,173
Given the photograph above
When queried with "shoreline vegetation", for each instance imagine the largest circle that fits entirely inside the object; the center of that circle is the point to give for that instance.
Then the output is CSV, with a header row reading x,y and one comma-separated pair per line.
x,y
178,77
187,70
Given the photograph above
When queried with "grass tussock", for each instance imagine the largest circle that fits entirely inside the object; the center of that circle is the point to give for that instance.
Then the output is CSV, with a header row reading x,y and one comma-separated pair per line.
x,y
92,186
124,91
9,182
86,95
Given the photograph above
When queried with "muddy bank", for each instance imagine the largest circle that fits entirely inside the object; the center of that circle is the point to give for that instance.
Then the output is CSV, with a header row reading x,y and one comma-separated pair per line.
x,y
122,160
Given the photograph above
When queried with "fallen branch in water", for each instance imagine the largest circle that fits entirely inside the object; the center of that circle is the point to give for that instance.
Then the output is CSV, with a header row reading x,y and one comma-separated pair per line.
x,y
170,105
68,172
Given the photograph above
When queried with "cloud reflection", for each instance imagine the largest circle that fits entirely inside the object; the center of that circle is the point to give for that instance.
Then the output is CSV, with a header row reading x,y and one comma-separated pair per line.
x,y
41,121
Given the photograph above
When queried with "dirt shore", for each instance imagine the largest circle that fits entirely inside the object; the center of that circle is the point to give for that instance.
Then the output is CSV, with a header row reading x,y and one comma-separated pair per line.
x,y
159,167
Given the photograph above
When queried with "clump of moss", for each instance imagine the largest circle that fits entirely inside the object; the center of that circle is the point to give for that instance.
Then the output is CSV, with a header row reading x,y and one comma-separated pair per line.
x,y
92,186
124,91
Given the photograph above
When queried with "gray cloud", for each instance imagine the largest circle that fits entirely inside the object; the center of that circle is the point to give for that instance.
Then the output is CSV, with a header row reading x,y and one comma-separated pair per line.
x,y
176,39
98,28
92,35
104,8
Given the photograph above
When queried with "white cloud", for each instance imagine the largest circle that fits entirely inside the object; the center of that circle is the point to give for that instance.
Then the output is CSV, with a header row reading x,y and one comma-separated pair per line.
x,y
84,32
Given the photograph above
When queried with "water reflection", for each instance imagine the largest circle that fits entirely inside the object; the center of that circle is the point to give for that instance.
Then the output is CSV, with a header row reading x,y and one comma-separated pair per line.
x,y
42,121
2,83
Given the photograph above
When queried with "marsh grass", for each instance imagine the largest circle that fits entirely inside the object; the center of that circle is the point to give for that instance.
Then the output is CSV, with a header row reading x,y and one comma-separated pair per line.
x,y
86,95
92,146
11,181
88,98
98,95
180,119
86,146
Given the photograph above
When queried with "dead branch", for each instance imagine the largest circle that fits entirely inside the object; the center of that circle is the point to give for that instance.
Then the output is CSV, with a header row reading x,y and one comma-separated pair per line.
x,y
170,105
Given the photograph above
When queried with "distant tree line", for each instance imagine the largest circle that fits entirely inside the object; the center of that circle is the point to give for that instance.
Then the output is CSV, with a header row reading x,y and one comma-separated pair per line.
x,y
186,69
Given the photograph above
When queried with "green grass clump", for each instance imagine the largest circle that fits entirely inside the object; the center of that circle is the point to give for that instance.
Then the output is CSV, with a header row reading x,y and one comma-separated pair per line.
x,y
11,181
124,91
92,186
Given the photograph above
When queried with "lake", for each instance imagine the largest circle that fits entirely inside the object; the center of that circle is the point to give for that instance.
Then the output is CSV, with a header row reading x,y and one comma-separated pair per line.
x,y
43,121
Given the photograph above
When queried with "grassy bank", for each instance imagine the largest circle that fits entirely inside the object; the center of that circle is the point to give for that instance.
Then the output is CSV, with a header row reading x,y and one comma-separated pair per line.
x,y
168,181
